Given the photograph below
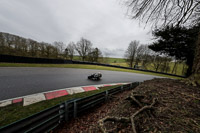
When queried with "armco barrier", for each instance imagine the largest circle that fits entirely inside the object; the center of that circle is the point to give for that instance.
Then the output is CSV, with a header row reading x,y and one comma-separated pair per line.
x,y
21,59
50,118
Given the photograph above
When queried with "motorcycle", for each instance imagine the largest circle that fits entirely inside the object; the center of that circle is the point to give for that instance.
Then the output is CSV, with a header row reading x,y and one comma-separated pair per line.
x,y
95,76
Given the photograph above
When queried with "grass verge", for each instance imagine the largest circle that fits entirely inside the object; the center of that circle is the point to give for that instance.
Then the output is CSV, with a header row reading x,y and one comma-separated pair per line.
x,y
16,112
81,66
178,70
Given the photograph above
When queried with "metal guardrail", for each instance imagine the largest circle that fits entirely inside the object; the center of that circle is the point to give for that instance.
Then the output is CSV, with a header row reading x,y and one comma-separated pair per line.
x,y
50,118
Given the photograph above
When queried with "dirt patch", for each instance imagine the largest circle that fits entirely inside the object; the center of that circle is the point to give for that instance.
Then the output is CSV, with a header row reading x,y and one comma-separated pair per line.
x,y
177,109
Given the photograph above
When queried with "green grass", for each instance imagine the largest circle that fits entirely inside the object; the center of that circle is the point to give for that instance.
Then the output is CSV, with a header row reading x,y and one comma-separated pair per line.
x,y
115,60
107,60
81,66
124,64
12,113
76,58
150,67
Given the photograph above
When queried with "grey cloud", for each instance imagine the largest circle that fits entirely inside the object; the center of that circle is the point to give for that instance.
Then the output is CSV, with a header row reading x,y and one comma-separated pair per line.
x,y
117,53
101,22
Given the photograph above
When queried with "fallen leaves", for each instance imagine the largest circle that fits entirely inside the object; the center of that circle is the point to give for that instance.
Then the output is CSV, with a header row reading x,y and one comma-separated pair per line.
x,y
177,110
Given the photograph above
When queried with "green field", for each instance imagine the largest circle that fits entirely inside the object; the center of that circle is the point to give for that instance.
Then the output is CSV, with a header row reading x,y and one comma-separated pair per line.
x,y
76,58
150,67
108,60
114,60
122,62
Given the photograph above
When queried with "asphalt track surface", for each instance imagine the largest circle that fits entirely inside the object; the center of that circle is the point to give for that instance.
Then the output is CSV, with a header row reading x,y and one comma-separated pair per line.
x,y
21,81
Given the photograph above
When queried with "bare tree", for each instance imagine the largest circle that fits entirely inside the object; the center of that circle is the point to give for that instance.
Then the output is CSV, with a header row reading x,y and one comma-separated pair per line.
x,y
83,47
163,11
184,68
157,62
3,49
16,45
147,57
165,67
94,55
161,63
33,48
70,50
48,50
167,12
131,52
60,47
24,47
139,54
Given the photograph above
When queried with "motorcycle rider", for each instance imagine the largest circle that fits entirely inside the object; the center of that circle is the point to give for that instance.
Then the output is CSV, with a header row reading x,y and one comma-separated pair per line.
x,y
96,76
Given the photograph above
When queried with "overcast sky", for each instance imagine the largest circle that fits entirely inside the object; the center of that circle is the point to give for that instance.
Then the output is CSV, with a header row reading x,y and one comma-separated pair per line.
x,y
103,22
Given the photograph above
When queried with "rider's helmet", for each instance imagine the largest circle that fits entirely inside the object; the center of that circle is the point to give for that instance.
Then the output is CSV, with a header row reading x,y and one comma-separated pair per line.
x,y
99,73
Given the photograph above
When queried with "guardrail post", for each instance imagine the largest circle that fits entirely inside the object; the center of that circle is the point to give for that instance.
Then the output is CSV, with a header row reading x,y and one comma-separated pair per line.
x,y
66,111
106,98
61,111
135,84
122,88
75,109
131,85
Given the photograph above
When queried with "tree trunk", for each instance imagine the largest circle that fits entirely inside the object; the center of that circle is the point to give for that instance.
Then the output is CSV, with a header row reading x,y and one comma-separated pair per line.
x,y
157,66
131,61
195,77
183,69
174,67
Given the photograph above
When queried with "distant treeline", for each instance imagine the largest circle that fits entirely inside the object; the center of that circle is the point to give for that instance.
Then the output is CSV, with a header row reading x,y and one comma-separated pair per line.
x,y
16,45
19,46
136,55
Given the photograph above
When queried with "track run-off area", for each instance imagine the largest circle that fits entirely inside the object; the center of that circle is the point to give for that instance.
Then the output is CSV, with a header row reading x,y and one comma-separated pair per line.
x,y
21,81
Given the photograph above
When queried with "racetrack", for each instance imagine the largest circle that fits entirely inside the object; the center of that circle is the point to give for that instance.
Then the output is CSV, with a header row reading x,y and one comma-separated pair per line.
x,y
21,81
